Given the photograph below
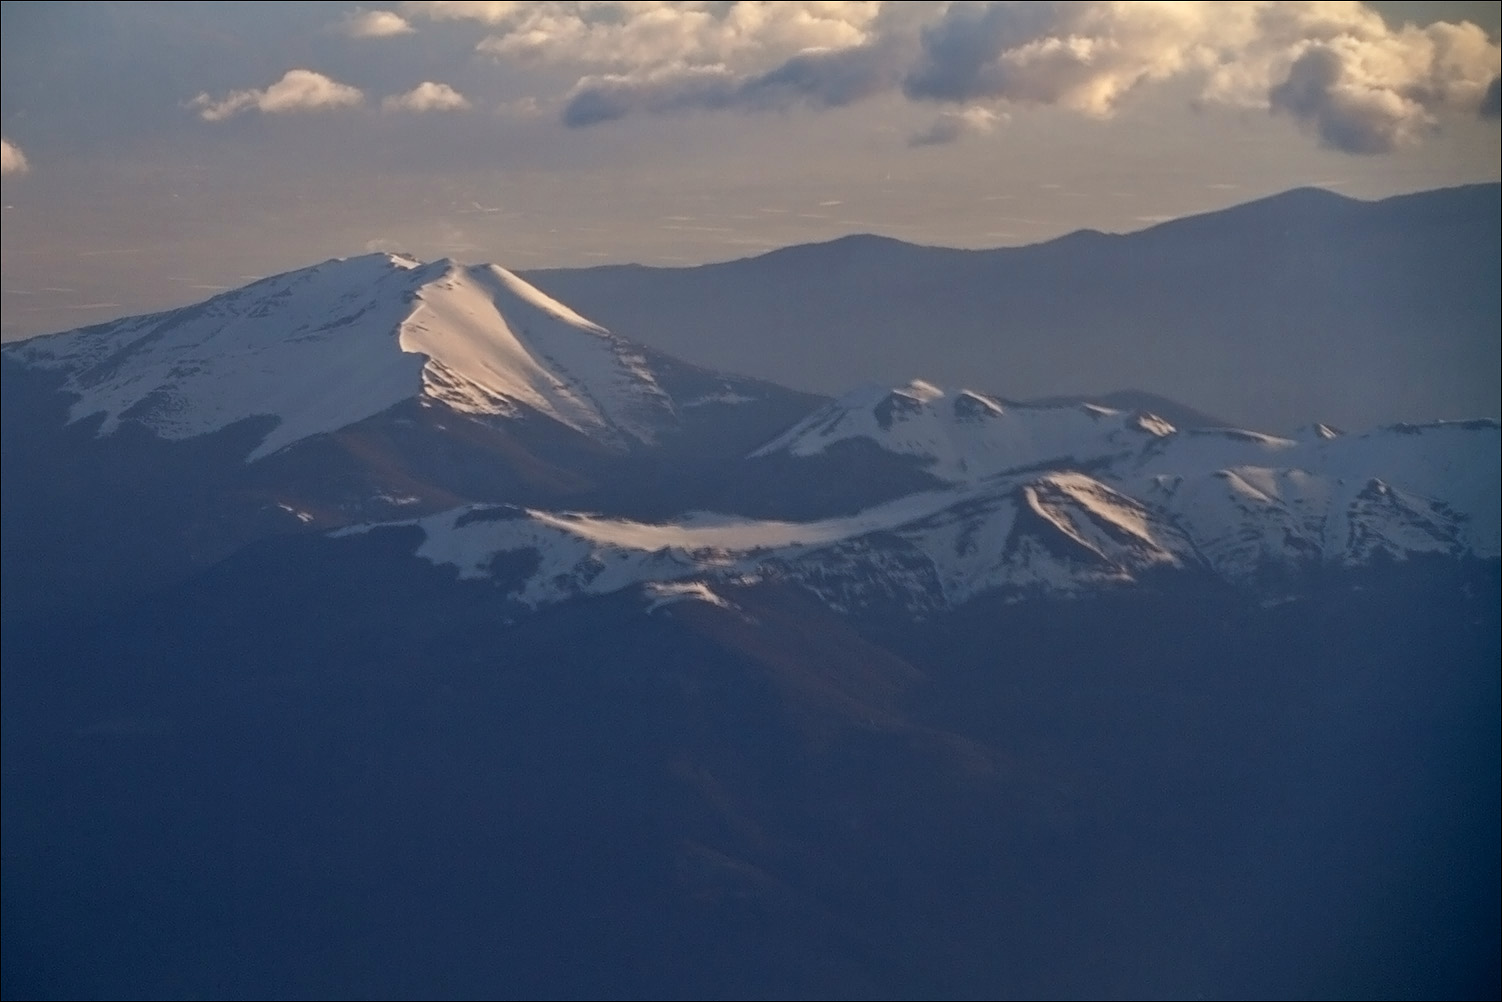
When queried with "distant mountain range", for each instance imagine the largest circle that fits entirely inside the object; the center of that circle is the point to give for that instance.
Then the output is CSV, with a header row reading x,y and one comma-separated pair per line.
x,y
1306,306
389,628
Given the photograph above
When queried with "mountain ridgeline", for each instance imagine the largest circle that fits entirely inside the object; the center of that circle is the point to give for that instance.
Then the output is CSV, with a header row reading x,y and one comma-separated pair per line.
x,y
380,390
389,628
1300,307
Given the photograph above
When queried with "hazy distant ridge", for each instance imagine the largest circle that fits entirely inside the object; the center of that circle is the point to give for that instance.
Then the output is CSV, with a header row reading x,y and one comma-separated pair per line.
x,y
1307,306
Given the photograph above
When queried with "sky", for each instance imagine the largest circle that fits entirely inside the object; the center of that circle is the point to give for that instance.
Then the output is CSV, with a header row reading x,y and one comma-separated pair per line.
x,y
155,154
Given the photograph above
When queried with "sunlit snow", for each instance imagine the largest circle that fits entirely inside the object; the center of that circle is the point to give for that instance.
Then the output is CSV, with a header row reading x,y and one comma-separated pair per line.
x,y
1180,500
324,347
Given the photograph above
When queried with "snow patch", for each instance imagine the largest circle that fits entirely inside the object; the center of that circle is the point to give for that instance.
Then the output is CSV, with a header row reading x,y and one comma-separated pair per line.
x,y
665,593
302,516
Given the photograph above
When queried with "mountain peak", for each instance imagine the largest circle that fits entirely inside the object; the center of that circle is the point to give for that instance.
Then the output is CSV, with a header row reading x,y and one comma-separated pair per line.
x,y
326,346
961,436
494,341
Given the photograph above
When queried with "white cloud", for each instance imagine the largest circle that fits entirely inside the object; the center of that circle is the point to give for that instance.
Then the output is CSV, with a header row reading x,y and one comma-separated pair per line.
x,y
495,12
375,24
1084,57
619,35
521,108
12,160
1356,84
427,96
1337,68
297,90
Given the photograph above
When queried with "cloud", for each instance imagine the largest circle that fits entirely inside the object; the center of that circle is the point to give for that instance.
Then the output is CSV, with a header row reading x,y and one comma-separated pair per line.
x,y
820,78
427,96
1337,69
375,24
616,36
1376,92
1355,119
952,126
1085,57
828,78
1491,103
607,98
464,10
12,160
297,90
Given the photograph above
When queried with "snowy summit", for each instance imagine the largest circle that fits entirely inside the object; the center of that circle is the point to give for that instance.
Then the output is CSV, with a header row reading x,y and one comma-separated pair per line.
x,y
326,346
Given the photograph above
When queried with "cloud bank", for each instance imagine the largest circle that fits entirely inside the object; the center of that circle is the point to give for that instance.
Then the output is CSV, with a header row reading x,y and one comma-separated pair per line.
x,y
619,35
296,91
1337,69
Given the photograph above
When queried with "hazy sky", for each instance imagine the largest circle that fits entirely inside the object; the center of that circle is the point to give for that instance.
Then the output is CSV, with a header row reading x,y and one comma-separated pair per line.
x,y
157,153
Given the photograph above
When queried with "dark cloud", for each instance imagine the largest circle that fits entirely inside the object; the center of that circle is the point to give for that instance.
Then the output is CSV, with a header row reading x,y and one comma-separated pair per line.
x,y
605,99
1491,102
1346,118
821,79
830,78
596,104
960,53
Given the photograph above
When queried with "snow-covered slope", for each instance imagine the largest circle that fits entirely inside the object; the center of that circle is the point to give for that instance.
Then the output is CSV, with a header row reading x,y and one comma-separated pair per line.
x,y
327,346
1186,503
494,341
967,438
1031,498
964,436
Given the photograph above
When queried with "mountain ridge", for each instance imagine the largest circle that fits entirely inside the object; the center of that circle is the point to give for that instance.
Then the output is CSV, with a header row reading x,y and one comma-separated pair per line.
x,y
1164,506
141,450
378,390
475,338
1292,308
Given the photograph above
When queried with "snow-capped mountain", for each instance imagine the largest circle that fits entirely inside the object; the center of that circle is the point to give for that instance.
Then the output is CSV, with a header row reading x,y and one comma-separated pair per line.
x,y
375,387
1023,516
325,347
385,626
459,399
964,436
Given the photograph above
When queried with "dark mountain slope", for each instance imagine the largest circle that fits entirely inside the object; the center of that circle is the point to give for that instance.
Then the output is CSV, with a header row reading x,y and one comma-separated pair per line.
x,y
326,768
